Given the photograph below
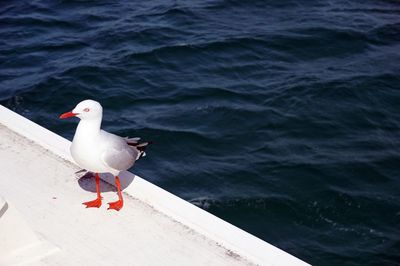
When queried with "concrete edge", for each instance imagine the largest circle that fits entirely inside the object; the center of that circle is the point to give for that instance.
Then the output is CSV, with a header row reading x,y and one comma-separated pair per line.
x,y
3,206
227,235
22,246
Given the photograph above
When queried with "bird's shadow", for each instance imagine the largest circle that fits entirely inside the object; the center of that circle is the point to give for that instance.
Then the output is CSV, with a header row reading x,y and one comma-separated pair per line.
x,y
88,181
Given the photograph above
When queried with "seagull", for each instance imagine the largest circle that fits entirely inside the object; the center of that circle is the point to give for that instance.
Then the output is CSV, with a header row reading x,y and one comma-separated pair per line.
x,y
99,151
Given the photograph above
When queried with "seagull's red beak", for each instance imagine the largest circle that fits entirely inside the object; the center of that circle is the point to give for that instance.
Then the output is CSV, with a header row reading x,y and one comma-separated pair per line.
x,y
67,115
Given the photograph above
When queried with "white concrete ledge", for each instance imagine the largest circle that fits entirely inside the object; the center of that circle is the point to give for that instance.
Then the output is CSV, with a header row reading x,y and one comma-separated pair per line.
x,y
236,242
19,244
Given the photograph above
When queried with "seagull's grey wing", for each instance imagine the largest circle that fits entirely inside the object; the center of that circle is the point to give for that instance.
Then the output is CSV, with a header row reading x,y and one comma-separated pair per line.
x,y
119,159
116,152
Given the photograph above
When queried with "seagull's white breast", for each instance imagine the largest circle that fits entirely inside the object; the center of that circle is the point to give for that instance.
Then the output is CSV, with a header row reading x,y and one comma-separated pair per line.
x,y
87,154
86,148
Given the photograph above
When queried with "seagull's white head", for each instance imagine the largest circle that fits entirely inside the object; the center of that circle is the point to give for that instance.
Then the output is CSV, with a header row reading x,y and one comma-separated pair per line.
x,y
87,109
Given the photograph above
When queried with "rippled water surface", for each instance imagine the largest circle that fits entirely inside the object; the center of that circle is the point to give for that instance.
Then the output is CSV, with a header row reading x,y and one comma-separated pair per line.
x,y
282,117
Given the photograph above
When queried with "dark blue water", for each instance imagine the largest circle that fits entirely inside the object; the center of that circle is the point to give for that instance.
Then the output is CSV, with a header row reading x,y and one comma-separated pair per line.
x,y
282,117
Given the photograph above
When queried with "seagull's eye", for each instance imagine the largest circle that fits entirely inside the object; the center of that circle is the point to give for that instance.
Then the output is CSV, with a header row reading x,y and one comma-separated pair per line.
x,y
86,110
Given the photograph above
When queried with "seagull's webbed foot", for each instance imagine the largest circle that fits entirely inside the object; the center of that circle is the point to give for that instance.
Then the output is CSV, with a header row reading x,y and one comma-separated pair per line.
x,y
93,204
97,202
116,205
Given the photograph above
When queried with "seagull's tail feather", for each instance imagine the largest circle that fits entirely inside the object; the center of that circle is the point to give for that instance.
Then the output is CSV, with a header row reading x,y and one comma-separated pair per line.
x,y
140,146
132,140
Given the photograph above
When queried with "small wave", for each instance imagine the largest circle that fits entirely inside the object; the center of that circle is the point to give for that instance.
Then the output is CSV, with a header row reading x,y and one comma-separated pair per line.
x,y
198,46
262,203
386,34
38,21
174,13
226,4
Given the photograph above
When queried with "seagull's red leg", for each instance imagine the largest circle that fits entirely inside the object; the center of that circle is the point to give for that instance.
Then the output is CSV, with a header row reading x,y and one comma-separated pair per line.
x,y
97,202
117,205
